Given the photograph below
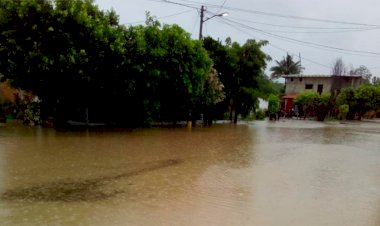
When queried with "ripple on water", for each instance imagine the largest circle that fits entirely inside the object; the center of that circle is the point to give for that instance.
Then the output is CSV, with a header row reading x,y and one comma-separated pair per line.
x,y
89,190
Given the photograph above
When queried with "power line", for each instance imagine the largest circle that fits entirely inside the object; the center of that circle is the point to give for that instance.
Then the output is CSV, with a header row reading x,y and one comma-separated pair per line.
x,y
195,24
274,46
163,17
311,46
371,54
303,27
299,42
295,55
198,3
221,7
319,32
300,18
177,3
275,14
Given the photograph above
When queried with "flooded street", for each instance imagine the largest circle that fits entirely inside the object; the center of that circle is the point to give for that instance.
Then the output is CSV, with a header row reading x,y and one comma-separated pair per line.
x,y
260,173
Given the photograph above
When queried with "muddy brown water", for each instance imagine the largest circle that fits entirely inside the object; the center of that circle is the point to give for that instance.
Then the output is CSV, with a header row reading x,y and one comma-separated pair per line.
x,y
261,173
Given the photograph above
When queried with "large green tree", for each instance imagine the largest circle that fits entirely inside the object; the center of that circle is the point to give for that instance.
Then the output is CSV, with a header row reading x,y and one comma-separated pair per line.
x,y
170,70
241,70
85,66
59,52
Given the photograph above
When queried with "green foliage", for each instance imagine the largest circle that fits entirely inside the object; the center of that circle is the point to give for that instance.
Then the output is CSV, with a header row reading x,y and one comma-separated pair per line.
x,y
83,65
76,57
368,97
343,111
213,89
273,104
347,97
365,98
306,99
266,87
241,70
260,114
314,102
286,66
172,70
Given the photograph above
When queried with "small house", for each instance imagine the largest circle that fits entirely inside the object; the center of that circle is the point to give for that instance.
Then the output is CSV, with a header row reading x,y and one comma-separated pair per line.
x,y
295,84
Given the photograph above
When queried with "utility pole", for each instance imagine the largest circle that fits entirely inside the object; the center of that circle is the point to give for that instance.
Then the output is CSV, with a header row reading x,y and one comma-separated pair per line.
x,y
201,25
203,9
300,60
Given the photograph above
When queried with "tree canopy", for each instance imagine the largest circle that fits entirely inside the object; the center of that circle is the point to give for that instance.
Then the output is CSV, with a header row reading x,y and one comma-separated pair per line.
x,y
362,71
314,102
241,70
83,64
361,100
286,66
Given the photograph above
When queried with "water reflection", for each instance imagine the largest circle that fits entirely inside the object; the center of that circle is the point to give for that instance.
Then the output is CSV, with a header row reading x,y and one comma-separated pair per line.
x,y
262,173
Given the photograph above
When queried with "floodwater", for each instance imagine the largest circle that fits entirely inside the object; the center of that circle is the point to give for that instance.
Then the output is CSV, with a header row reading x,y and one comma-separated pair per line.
x,y
261,173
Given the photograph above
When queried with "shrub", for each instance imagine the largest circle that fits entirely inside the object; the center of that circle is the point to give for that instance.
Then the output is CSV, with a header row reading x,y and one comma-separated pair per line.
x,y
343,111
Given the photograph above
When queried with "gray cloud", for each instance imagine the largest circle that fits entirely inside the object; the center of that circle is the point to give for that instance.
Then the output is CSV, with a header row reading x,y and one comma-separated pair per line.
x,y
364,11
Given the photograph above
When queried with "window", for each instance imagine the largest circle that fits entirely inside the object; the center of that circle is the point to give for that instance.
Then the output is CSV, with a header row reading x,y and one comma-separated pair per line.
x,y
309,86
300,79
320,88
291,79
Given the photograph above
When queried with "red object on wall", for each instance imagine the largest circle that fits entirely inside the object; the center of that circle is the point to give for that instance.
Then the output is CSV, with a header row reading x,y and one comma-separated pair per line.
x,y
287,102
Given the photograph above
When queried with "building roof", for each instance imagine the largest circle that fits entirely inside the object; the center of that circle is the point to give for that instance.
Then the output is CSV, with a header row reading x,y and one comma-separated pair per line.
x,y
289,96
319,76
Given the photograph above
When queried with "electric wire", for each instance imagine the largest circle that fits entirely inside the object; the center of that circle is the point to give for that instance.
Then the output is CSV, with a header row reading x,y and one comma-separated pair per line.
x,y
195,23
318,29
221,7
363,27
356,52
299,18
300,27
163,17
317,32
320,48
295,55
273,14
277,47
177,3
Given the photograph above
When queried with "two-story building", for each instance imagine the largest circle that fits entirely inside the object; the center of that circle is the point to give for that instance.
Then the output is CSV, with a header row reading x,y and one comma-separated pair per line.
x,y
295,84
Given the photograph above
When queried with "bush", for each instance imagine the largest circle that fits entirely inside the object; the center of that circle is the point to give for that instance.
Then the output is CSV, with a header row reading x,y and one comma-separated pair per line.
x,y
260,115
315,103
343,111
273,104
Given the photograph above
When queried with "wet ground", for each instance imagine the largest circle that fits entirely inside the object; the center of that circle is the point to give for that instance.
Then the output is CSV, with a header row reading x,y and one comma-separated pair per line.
x,y
262,173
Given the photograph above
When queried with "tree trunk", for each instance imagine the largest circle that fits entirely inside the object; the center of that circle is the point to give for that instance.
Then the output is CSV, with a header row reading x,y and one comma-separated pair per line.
x,y
236,116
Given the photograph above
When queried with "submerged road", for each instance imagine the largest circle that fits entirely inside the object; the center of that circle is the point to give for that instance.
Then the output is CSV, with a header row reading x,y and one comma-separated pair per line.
x,y
290,172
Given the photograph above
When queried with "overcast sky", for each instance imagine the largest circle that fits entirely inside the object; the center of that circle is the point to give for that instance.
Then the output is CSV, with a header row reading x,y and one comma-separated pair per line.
x,y
360,32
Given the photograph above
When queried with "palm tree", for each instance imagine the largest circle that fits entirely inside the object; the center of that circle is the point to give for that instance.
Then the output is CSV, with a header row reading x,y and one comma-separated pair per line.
x,y
286,67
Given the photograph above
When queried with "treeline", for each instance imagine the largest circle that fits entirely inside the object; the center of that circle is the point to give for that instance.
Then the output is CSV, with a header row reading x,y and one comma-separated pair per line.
x,y
350,103
85,66
353,104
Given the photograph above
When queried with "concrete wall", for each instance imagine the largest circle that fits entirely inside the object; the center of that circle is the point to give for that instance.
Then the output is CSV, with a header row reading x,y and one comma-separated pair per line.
x,y
296,85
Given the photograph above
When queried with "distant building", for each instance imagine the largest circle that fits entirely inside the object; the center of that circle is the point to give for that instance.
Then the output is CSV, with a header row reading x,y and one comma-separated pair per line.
x,y
295,84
